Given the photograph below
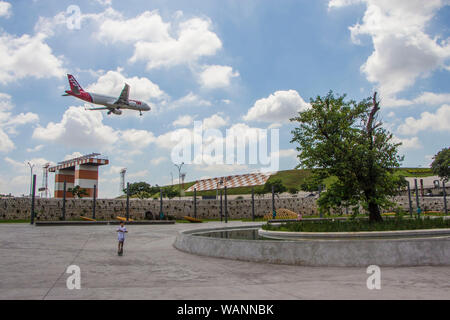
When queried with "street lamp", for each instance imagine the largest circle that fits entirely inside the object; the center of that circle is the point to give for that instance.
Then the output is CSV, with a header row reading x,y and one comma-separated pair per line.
x,y
31,182
179,175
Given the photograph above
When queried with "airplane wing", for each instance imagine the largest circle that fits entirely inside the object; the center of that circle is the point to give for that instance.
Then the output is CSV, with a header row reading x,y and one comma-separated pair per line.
x,y
123,98
101,108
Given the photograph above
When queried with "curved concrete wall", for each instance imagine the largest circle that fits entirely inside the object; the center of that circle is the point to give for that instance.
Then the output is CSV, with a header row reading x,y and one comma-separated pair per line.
x,y
433,251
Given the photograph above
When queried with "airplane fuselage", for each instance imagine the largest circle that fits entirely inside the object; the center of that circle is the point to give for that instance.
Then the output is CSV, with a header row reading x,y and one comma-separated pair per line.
x,y
109,101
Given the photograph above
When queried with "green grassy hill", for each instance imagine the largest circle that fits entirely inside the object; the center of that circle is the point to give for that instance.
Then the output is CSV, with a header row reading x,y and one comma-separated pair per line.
x,y
294,178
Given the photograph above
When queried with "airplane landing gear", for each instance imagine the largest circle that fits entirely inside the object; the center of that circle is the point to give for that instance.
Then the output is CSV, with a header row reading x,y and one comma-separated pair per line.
x,y
109,112
140,113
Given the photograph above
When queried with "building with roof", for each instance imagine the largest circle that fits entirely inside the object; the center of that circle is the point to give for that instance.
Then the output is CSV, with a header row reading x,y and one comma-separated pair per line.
x,y
81,171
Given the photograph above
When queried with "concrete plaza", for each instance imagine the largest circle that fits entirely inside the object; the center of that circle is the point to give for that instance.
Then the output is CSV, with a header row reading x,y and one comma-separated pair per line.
x,y
34,260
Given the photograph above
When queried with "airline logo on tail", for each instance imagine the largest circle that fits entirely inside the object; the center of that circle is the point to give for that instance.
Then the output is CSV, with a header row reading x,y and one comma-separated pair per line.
x,y
74,85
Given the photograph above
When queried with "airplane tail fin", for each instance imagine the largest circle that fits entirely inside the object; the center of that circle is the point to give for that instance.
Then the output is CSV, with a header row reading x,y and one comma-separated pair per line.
x,y
74,85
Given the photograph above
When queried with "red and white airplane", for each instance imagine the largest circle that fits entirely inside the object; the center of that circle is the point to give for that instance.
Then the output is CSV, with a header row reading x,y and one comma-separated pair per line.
x,y
114,105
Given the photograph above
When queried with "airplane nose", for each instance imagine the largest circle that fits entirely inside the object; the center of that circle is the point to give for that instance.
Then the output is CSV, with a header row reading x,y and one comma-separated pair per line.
x,y
147,107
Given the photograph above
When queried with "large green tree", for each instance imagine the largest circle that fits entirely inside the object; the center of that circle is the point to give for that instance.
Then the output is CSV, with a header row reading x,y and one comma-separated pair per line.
x,y
344,139
441,164
141,190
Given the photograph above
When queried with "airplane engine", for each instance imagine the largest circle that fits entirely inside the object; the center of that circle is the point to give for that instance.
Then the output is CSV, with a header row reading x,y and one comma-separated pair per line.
x,y
116,111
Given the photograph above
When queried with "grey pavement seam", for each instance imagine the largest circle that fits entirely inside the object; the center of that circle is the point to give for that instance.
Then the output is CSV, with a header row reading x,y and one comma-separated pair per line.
x,y
64,271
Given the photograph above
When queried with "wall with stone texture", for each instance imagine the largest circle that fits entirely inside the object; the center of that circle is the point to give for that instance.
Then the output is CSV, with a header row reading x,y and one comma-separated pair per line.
x,y
50,209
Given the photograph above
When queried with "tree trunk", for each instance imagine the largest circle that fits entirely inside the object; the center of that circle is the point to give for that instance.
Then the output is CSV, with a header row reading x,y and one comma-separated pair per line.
x,y
374,212
374,209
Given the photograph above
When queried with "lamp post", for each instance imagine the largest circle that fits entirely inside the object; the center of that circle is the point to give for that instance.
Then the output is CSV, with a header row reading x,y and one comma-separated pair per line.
x,y
179,175
31,182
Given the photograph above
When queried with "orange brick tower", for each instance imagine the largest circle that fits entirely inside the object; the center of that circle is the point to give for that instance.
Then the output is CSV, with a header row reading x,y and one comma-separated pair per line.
x,y
81,171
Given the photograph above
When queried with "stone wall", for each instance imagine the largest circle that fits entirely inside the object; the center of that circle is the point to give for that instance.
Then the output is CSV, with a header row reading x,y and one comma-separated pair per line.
x,y
50,209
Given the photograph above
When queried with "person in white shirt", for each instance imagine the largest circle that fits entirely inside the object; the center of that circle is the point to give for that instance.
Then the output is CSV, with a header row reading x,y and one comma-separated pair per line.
x,y
121,236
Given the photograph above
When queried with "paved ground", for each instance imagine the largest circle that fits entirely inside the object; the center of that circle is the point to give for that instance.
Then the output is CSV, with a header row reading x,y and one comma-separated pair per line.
x,y
34,260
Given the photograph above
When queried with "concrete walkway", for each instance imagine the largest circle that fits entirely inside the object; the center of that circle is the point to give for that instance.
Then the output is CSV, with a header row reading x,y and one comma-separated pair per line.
x,y
34,260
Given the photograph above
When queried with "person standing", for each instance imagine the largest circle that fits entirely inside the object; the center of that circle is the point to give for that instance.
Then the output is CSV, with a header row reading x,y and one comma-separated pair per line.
x,y
121,237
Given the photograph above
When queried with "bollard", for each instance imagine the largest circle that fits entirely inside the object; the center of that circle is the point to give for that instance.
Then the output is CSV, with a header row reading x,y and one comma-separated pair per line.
x,y
93,202
226,206
195,203
161,214
128,201
417,198
32,198
63,217
221,213
445,197
409,200
253,203
274,213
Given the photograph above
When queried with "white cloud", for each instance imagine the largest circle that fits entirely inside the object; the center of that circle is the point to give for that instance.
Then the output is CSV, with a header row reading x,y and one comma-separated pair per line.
x,y
425,98
105,2
190,100
288,153
27,56
342,3
35,149
403,51
20,119
73,155
165,141
157,161
431,98
214,122
195,40
5,9
114,170
113,82
6,145
408,144
278,107
49,26
183,121
10,122
23,167
138,174
137,139
275,125
438,121
78,128
217,76
148,26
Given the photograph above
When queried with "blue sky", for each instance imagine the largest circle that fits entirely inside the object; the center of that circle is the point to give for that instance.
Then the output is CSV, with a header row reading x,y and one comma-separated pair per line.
x,y
231,64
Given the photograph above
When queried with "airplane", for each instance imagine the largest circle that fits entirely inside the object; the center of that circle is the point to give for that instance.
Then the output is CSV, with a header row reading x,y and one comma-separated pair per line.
x,y
114,105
